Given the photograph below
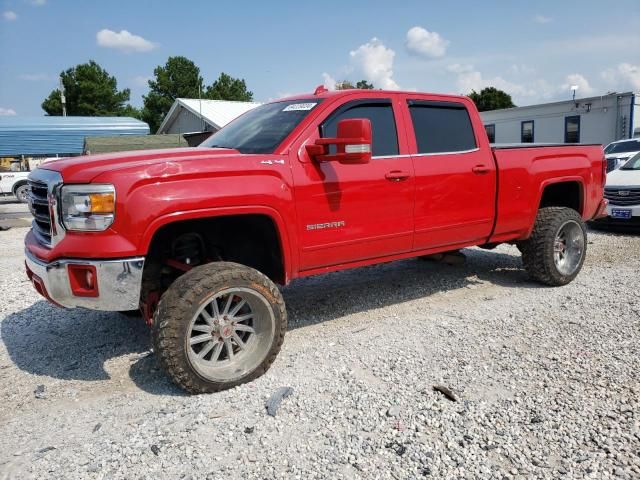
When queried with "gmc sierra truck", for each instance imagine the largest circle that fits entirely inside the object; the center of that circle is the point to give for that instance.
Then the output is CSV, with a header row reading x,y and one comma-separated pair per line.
x,y
198,238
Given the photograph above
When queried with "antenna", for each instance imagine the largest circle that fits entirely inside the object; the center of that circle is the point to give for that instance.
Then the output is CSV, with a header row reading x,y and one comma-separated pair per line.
x,y
573,89
62,98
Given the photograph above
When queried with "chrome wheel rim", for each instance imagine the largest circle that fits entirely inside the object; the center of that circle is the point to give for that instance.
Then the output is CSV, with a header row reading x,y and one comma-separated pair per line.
x,y
568,248
230,334
23,194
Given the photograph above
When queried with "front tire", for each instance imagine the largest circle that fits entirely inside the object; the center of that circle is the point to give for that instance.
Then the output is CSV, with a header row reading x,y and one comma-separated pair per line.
x,y
218,326
555,252
22,193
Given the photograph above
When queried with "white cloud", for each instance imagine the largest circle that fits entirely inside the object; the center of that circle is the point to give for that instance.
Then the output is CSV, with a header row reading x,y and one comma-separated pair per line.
x,y
328,81
471,79
576,79
425,43
36,77
624,76
459,68
527,91
542,19
6,112
141,81
521,69
374,61
10,15
124,41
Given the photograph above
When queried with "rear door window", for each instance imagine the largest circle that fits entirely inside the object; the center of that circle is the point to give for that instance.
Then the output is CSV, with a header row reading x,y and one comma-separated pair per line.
x,y
441,127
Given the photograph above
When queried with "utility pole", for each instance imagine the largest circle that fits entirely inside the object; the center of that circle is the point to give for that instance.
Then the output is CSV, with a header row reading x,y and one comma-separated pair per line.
x,y
200,98
63,99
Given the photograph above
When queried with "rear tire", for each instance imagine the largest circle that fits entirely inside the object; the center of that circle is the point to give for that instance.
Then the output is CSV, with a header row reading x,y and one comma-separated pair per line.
x,y
555,252
22,193
219,325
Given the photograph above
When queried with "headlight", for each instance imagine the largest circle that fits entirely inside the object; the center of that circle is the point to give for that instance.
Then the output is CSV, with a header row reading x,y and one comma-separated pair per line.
x,y
88,207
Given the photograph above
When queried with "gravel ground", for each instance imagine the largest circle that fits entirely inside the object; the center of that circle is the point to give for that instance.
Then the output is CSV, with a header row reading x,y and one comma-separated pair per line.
x,y
546,380
13,213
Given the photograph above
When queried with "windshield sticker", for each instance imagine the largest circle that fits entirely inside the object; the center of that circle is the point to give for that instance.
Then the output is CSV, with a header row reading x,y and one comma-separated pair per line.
x,y
295,107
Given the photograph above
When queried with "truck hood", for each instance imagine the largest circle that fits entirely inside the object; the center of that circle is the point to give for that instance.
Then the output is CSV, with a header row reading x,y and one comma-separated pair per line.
x,y
623,178
622,155
83,169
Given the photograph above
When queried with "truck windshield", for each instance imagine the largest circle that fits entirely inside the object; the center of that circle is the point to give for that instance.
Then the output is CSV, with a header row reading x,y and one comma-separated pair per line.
x,y
262,129
623,147
633,164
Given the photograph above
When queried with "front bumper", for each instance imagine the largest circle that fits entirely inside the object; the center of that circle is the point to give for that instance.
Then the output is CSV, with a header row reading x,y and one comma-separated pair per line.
x,y
635,209
608,220
118,280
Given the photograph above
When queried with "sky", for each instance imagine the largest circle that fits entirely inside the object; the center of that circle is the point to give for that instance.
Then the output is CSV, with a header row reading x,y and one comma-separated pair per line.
x,y
535,51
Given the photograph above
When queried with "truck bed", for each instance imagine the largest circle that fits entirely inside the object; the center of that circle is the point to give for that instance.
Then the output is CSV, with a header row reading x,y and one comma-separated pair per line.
x,y
524,170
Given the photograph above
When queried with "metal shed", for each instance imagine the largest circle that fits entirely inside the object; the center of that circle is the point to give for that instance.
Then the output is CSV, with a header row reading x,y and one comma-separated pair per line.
x,y
188,115
50,136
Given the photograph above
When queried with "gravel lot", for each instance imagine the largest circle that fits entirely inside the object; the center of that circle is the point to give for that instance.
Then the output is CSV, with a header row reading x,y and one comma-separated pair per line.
x,y
13,213
546,380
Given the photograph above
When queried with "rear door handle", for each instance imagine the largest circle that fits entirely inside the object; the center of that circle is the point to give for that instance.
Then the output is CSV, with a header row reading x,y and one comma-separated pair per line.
x,y
397,175
480,169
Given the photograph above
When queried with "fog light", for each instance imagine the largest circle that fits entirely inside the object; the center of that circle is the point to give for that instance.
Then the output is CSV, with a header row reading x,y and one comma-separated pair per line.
x,y
83,280
89,278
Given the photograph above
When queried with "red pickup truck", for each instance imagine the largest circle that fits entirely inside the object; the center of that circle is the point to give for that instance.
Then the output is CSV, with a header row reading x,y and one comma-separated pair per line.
x,y
198,238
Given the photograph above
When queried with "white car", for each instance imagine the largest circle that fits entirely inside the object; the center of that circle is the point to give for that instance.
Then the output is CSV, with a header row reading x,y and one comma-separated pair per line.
x,y
623,192
620,151
14,183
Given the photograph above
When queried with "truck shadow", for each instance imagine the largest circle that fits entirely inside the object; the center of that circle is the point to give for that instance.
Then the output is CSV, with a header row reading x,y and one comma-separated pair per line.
x,y
318,299
80,344
70,344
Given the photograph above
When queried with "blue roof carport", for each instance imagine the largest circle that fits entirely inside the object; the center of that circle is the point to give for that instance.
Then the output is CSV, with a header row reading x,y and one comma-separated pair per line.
x,y
50,136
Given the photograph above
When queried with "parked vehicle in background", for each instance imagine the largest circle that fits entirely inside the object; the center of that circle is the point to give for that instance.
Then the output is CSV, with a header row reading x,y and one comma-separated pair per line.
x,y
197,238
623,193
619,152
15,183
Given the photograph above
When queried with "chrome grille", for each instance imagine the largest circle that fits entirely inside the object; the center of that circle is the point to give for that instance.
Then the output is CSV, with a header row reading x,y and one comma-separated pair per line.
x,y
39,206
622,195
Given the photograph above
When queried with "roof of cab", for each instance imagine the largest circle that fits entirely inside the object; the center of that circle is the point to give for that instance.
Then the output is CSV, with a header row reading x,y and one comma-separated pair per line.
x,y
339,93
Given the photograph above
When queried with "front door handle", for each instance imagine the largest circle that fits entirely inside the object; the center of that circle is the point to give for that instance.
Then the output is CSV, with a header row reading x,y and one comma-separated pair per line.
x,y
397,175
480,169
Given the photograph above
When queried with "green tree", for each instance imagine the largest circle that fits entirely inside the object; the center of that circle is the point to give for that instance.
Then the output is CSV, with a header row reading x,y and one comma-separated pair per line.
x,y
131,111
491,98
364,85
89,90
228,88
344,85
347,85
178,78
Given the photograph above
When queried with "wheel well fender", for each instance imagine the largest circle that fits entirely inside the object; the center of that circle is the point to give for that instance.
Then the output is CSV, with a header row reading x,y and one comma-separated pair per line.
x,y
562,192
225,214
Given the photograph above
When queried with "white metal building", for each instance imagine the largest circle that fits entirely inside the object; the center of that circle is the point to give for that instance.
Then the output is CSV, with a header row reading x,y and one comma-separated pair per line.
x,y
188,115
600,120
